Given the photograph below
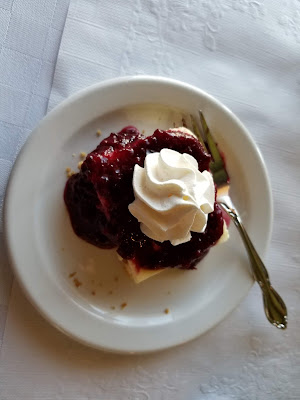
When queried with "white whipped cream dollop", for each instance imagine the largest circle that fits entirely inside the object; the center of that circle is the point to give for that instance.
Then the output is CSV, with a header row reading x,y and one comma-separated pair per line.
x,y
172,197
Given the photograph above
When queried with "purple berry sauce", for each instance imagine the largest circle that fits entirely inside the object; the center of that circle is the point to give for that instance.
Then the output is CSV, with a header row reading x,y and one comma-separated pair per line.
x,y
97,200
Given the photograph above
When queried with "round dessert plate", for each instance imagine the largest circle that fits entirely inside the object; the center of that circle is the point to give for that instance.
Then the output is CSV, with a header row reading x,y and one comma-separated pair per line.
x,y
83,290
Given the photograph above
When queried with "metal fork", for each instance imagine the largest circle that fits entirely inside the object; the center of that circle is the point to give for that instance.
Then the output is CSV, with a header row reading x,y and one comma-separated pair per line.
x,y
274,306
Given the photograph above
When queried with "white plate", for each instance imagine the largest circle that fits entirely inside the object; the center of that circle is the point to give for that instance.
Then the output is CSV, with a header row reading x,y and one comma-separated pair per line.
x,y
44,249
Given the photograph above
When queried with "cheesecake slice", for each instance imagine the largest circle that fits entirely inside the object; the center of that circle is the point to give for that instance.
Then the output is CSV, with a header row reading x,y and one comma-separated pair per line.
x,y
98,198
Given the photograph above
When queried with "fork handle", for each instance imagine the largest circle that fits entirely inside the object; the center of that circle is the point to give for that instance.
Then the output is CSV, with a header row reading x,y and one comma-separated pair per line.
x,y
275,308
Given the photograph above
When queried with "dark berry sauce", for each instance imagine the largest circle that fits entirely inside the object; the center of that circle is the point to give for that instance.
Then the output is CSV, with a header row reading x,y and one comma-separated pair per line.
x,y
97,200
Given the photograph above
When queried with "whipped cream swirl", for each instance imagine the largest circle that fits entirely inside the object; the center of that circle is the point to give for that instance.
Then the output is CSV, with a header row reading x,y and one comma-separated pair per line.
x,y
172,197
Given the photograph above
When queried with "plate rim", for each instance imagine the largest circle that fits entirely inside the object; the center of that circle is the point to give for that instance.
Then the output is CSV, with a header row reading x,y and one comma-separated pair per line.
x,y
140,79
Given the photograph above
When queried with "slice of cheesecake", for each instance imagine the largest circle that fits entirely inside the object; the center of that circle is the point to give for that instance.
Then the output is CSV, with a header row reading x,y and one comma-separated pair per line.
x,y
101,216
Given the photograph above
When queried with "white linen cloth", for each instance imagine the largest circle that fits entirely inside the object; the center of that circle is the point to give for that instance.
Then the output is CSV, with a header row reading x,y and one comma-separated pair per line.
x,y
247,54
30,33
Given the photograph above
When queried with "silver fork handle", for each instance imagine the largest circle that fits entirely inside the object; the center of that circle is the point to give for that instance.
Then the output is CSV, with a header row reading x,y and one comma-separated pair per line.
x,y
275,308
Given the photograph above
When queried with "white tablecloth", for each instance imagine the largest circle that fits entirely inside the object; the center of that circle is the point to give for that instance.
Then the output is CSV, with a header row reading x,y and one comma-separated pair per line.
x,y
30,34
247,54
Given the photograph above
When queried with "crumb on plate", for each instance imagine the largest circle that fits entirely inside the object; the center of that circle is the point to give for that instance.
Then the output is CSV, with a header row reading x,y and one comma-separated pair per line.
x,y
77,283
79,164
69,172
123,305
113,307
82,154
72,274
166,311
93,292
99,133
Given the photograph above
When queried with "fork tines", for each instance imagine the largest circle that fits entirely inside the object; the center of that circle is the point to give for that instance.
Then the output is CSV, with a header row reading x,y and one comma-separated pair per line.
x,y
217,165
